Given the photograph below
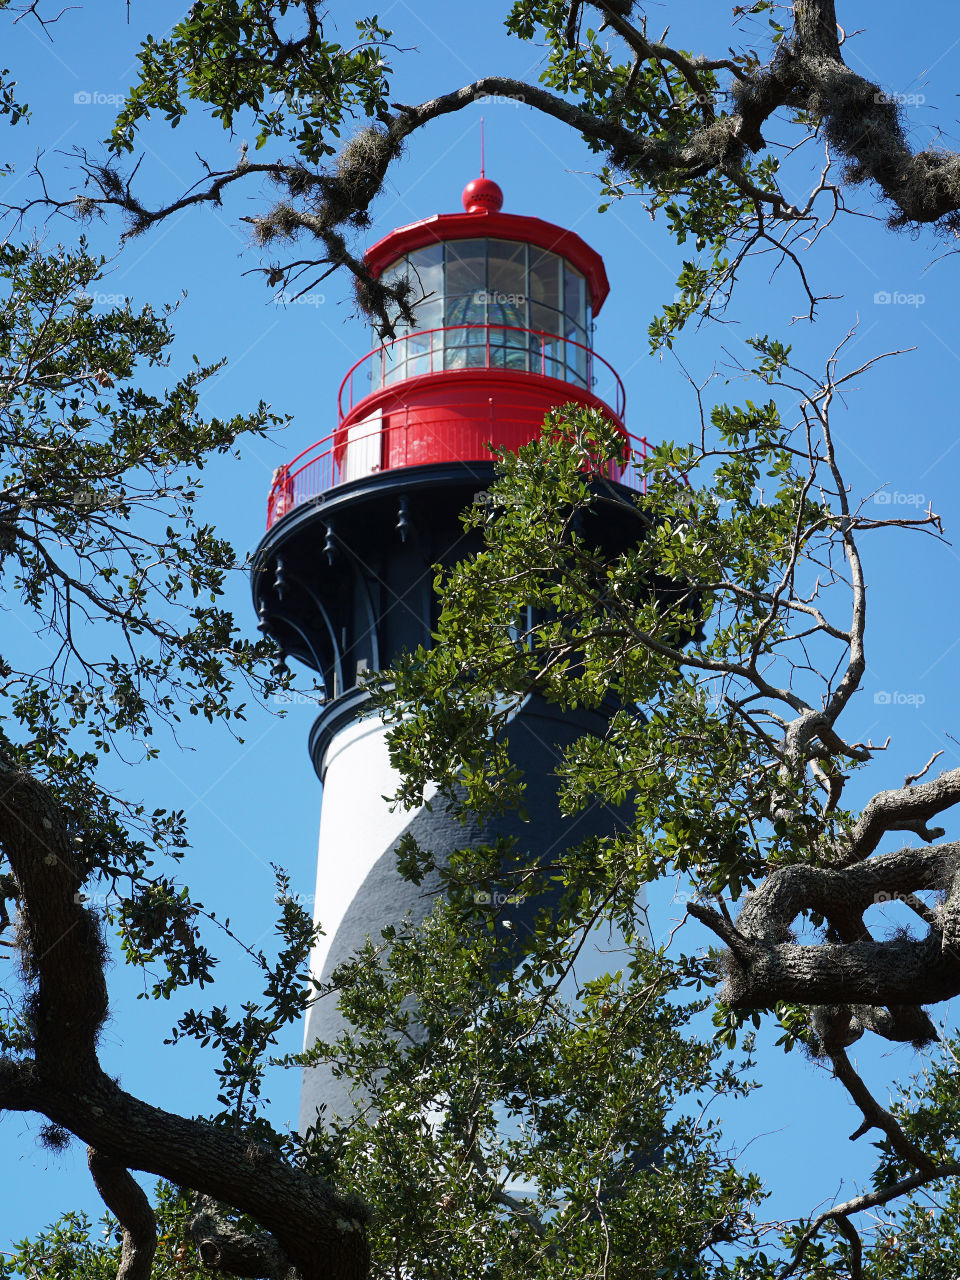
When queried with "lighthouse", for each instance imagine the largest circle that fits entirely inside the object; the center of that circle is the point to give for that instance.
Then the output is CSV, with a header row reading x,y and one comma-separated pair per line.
x,y
343,578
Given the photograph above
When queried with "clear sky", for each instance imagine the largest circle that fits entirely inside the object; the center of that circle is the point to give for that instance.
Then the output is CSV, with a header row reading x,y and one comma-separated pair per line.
x,y
258,803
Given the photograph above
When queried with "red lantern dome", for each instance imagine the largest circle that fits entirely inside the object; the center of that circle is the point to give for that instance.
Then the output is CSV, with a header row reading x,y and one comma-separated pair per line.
x,y
482,196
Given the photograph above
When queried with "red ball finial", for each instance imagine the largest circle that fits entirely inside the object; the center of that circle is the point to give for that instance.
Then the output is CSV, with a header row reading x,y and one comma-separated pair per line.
x,y
482,195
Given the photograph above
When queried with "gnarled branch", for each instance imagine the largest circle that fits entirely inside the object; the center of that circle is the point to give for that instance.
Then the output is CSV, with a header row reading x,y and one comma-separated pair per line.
x,y
765,965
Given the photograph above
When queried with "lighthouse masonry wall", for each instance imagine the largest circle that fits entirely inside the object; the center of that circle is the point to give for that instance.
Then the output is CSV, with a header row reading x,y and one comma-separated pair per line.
x,y
359,889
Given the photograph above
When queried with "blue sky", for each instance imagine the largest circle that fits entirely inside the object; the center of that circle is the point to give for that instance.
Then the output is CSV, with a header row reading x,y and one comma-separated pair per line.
x,y
259,803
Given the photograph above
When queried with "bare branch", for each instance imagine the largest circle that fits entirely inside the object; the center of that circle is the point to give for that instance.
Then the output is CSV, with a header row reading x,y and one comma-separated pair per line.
x,y
857,1204
876,1117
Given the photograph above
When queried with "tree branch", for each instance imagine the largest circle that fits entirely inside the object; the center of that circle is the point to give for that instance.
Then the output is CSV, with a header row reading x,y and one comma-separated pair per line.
x,y
128,1204
857,1204
876,1117
768,966
222,1247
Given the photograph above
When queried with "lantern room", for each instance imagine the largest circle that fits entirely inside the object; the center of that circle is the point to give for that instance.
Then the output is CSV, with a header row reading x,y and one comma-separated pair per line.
x,y
507,301
503,308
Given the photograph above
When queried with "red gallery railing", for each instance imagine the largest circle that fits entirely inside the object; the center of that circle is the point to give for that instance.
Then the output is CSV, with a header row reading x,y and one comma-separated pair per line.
x,y
329,462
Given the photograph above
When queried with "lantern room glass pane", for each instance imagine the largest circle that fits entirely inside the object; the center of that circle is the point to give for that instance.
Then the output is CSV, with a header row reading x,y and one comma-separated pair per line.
x,y
574,297
426,272
507,275
517,350
465,300
576,353
545,319
429,315
422,350
577,364
545,276
466,280
385,364
394,362
553,358
507,284
391,274
493,303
